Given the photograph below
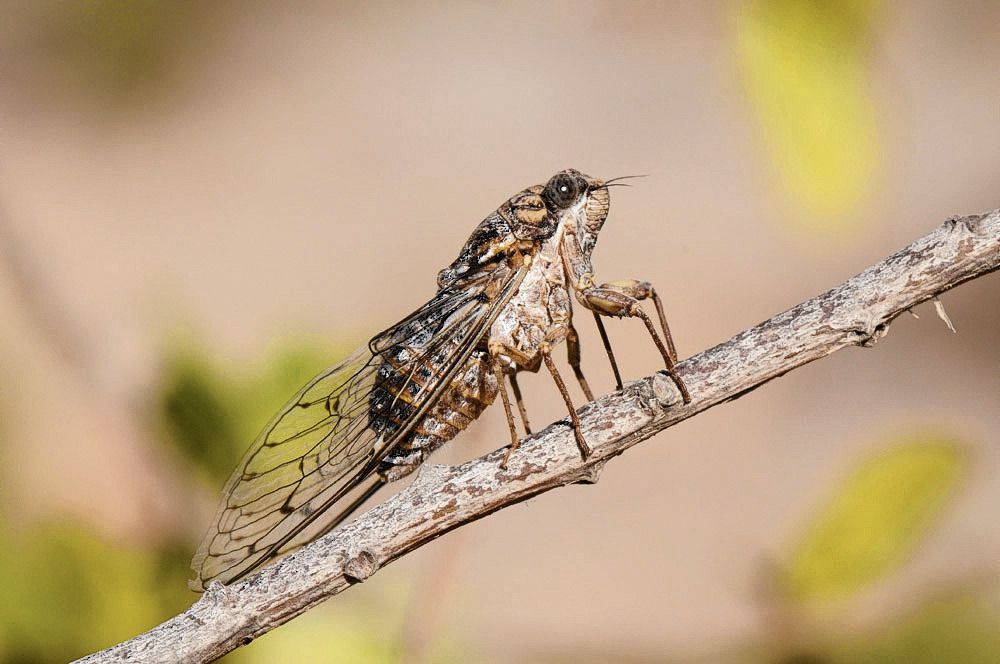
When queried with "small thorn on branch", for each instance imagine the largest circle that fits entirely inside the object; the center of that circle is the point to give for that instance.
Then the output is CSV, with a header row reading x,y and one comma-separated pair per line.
x,y
943,315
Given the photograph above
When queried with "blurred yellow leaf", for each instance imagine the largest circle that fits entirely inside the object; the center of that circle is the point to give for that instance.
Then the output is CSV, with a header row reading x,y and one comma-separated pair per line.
x,y
961,628
116,51
805,71
876,518
325,636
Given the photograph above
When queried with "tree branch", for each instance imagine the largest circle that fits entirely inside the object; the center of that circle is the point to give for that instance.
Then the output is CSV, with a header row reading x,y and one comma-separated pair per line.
x,y
856,313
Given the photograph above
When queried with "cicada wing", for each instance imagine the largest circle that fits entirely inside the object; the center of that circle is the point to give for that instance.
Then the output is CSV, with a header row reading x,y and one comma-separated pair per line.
x,y
311,444
322,445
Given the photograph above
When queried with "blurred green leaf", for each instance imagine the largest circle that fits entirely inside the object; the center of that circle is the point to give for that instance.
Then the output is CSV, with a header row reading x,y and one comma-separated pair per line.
x,y
197,408
263,390
805,69
876,518
68,592
212,412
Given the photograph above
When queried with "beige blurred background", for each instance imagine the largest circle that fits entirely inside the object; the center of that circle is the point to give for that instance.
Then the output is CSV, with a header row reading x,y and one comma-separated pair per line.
x,y
242,173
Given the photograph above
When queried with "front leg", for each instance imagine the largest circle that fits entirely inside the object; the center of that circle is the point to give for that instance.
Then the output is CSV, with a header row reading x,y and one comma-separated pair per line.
x,y
621,299
641,290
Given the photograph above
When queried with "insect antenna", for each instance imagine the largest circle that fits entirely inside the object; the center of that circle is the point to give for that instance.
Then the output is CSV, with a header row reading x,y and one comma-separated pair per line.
x,y
625,177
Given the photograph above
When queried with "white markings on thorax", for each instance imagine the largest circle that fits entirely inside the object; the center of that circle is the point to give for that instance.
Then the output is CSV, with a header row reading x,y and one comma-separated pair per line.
x,y
539,311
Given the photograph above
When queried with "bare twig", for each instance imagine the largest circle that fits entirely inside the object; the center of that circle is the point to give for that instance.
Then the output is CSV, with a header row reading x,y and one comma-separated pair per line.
x,y
856,313
40,301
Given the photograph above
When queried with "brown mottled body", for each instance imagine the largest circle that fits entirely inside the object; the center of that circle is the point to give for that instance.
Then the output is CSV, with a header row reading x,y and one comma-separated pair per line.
x,y
470,392
538,316
539,312
500,308
500,244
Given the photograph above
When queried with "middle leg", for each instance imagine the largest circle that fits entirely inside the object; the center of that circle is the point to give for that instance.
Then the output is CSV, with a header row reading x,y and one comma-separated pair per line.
x,y
515,442
546,353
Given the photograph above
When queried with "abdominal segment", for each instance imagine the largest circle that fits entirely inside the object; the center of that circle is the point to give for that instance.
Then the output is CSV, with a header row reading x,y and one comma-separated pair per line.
x,y
472,389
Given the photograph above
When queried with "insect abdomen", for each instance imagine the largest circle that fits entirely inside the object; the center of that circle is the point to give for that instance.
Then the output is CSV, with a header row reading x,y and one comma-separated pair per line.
x,y
471,391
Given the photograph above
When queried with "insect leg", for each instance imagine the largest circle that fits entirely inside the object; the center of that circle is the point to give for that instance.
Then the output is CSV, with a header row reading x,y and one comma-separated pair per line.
x,y
515,442
520,403
641,290
621,299
607,348
573,354
663,321
546,353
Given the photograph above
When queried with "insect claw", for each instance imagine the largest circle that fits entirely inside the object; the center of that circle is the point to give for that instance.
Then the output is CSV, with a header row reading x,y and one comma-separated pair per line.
x,y
679,384
585,450
506,458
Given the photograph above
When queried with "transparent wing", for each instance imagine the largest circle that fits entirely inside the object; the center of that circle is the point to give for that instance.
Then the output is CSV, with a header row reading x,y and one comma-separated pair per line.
x,y
321,446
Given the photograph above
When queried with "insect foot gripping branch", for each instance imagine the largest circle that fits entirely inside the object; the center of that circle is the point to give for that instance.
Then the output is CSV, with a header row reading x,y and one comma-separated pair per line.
x,y
499,309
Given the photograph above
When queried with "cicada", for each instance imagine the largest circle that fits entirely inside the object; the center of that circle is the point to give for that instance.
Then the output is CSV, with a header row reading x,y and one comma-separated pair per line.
x,y
499,309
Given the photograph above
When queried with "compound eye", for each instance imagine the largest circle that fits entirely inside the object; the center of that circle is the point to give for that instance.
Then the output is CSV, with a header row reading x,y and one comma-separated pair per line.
x,y
562,190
